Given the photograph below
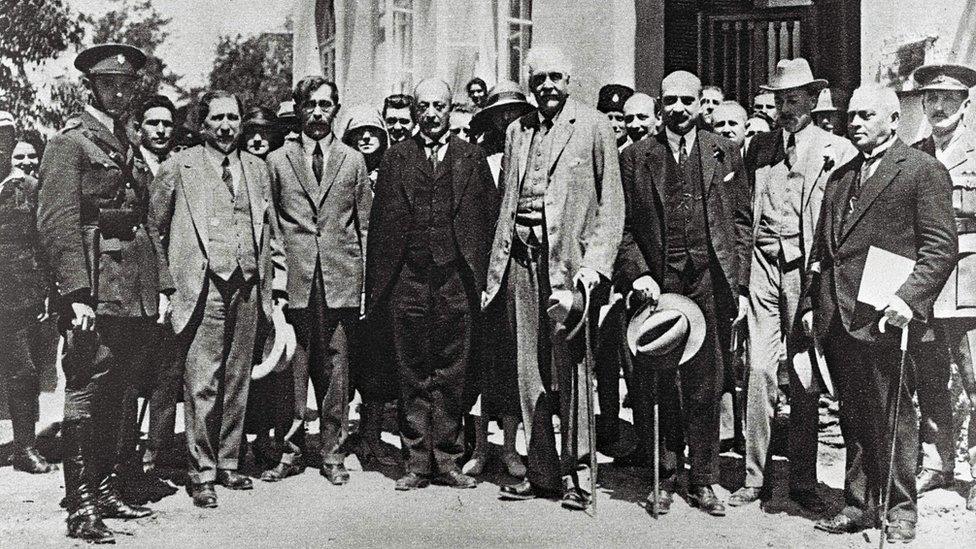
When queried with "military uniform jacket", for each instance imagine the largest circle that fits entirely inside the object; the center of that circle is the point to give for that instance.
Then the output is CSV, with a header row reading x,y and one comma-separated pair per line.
x,y
91,220
958,297
24,276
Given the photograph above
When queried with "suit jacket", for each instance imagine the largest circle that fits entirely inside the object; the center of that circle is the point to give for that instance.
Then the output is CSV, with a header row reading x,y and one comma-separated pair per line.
x,y
584,202
22,270
904,208
765,165
178,222
475,211
643,250
325,223
88,202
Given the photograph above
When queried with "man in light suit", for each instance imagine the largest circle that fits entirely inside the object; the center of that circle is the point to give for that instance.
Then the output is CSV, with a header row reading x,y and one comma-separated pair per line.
x,y
687,232
322,194
216,232
788,168
561,220
899,200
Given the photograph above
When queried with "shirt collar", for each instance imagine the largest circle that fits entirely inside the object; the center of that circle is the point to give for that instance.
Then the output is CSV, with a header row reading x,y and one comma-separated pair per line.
x,y
674,139
440,142
309,144
102,118
797,135
879,151
217,157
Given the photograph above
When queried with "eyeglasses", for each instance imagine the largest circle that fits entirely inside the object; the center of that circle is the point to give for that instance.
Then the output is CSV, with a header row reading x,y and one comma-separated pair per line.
x,y
686,100
324,104
393,121
539,78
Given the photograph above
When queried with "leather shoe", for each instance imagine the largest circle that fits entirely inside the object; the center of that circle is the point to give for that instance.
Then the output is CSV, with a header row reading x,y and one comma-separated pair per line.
x,y
228,478
664,500
900,531
282,471
335,473
575,499
30,461
930,479
410,481
456,479
840,524
809,500
971,500
110,504
705,499
203,495
521,491
744,496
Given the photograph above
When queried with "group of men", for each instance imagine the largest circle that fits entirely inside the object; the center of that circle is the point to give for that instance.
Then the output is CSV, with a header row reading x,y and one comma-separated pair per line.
x,y
410,266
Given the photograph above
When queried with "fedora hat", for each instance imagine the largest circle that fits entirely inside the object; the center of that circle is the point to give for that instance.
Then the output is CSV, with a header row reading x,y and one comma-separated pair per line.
x,y
793,73
944,77
568,309
279,347
503,95
674,322
825,102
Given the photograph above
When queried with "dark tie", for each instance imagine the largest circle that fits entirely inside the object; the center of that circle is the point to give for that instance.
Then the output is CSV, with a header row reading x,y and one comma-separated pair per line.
x,y
432,150
317,163
682,153
226,175
791,151
862,177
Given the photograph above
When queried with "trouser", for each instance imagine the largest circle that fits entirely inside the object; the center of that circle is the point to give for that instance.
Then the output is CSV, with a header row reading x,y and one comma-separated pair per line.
x,y
551,375
609,359
689,394
864,376
433,314
98,368
325,337
219,343
774,293
19,374
154,372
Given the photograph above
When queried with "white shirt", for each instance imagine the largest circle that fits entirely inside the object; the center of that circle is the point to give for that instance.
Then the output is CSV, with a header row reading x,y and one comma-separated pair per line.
x,y
801,138
308,147
442,150
105,119
151,159
674,140
236,169
875,155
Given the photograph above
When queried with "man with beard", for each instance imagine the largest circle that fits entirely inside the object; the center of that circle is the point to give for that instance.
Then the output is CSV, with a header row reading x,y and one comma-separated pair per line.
x,y
687,233
610,102
91,217
712,96
789,169
945,100
640,116
220,259
561,221
25,158
398,116
322,193
429,238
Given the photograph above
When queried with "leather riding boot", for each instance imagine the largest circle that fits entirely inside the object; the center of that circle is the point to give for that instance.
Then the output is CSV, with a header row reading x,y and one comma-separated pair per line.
x,y
83,520
110,504
25,456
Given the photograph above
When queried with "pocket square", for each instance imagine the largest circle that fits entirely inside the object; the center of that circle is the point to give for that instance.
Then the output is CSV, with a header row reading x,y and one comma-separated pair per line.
x,y
729,177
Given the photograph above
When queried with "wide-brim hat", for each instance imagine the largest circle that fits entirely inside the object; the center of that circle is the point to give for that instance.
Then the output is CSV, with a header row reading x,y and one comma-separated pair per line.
x,y
568,309
674,323
503,95
793,73
944,76
825,102
279,347
110,59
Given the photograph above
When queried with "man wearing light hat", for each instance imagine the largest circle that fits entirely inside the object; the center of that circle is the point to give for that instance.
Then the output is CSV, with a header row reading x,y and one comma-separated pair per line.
x,y
611,103
945,100
91,220
788,168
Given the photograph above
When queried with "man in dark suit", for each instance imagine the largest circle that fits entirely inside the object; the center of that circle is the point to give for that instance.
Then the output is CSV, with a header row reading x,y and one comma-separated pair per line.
x,y
687,232
216,233
899,200
430,231
91,222
322,193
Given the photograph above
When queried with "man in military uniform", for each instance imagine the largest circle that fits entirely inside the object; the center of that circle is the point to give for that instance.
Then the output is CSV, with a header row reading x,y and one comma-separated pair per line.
x,y
610,102
945,100
91,224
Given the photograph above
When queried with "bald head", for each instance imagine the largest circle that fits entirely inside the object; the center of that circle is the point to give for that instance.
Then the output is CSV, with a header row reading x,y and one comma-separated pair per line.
x,y
682,82
729,121
681,100
548,59
873,115
432,107
640,116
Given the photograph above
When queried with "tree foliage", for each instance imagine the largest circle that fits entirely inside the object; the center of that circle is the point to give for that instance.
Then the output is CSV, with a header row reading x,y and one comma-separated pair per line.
x,y
257,68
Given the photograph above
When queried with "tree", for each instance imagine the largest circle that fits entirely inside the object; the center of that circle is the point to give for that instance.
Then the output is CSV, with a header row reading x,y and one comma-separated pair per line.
x,y
32,32
257,69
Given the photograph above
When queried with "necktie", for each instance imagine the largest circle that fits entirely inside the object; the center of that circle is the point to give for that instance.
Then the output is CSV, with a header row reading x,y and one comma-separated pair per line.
x,y
317,163
863,176
682,152
791,151
226,175
433,149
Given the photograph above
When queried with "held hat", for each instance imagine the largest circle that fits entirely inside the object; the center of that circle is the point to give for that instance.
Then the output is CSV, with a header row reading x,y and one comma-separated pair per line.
x,y
612,98
569,308
825,102
674,323
793,73
279,348
503,95
110,59
945,77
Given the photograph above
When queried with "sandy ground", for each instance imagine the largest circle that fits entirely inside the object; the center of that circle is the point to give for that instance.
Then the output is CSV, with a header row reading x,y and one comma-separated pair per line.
x,y
306,511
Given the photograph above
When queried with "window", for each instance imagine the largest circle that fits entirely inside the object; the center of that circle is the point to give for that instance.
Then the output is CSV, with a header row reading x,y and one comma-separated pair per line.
x,y
326,30
397,18
514,38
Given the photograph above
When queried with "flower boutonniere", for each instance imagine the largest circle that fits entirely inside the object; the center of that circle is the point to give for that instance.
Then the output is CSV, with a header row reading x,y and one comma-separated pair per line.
x,y
719,155
828,163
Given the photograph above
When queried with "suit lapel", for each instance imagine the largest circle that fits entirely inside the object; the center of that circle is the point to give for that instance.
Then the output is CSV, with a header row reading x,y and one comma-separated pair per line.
x,y
657,167
562,132
707,153
336,157
811,165
459,174
525,140
422,163
196,178
888,168
296,158
959,150
249,170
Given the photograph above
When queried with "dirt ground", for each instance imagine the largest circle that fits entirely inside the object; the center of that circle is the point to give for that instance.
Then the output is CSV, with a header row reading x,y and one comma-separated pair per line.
x,y
307,511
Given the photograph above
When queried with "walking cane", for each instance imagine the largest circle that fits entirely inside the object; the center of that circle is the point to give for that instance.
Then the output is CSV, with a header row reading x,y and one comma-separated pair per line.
x,y
657,448
893,430
590,412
